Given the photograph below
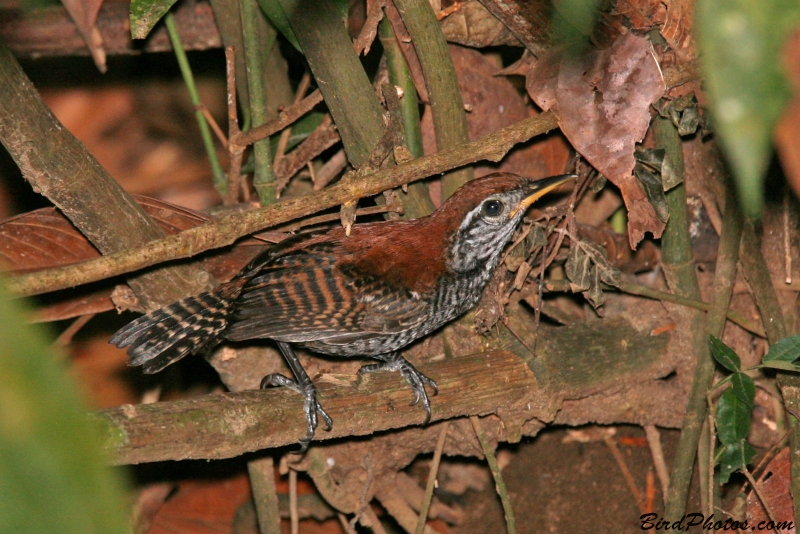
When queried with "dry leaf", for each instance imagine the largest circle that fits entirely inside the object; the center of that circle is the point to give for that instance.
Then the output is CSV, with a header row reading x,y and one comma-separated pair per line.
x,y
775,484
84,14
643,14
602,101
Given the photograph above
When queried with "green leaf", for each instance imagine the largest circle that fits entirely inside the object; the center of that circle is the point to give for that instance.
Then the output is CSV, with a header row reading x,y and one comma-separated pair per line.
x,y
785,350
300,130
733,418
145,14
740,42
744,388
53,477
724,355
733,458
783,366
276,11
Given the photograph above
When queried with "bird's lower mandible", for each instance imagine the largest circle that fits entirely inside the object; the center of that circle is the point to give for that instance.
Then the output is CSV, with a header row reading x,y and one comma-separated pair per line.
x,y
368,294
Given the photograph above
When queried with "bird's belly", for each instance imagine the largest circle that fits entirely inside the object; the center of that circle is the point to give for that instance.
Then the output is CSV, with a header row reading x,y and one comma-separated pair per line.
x,y
373,344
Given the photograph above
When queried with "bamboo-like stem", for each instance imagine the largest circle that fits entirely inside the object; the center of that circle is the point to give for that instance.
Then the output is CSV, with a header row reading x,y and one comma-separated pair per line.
x,y
499,483
348,93
191,87
230,227
696,409
449,118
417,202
264,175
757,274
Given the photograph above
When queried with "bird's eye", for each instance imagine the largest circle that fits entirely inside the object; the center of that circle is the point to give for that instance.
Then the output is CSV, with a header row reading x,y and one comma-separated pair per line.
x,y
492,208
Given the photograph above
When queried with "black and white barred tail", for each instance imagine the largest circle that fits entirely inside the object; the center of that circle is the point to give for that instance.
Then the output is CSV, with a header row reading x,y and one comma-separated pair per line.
x,y
190,326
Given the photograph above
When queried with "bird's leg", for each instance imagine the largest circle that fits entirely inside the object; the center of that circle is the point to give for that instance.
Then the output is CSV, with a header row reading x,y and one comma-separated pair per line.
x,y
392,361
303,385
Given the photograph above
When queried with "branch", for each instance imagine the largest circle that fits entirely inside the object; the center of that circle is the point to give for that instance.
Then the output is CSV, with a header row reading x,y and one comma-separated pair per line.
x,y
58,166
225,425
228,228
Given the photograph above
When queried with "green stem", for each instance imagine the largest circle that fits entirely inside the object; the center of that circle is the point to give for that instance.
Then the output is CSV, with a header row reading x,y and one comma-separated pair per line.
x,y
264,175
188,78
500,485
417,202
757,274
696,409
449,118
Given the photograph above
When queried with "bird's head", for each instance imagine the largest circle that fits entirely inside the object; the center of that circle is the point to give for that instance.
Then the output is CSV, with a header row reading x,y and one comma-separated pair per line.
x,y
484,213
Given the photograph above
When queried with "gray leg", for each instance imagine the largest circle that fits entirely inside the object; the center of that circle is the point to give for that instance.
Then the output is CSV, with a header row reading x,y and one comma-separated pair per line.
x,y
394,362
305,387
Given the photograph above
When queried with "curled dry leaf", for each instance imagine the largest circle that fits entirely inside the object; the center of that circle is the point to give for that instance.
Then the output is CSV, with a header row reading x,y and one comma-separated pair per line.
x,y
602,101
472,25
44,239
677,30
84,14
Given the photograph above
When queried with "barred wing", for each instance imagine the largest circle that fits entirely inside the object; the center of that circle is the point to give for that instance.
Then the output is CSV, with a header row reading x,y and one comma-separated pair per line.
x,y
313,294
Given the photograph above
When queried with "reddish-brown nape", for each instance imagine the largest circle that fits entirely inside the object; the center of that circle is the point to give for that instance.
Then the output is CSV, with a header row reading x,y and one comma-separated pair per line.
x,y
412,253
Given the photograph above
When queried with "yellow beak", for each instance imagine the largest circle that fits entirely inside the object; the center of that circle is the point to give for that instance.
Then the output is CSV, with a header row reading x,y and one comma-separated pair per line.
x,y
539,189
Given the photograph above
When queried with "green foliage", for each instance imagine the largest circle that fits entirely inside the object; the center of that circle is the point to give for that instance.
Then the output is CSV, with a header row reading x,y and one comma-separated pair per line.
x,y
276,11
733,418
740,43
785,350
145,14
52,474
724,355
732,458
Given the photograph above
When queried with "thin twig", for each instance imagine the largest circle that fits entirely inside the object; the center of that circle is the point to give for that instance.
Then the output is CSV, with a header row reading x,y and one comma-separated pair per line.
x,y
787,240
345,524
370,519
285,118
214,126
294,517
760,496
65,338
305,82
626,473
437,457
654,441
500,485
235,152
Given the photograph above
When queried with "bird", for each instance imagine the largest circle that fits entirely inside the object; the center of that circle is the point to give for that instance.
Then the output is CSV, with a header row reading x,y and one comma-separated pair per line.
x,y
366,295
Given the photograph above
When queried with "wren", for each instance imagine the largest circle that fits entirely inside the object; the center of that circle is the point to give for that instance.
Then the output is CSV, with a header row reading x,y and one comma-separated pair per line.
x,y
366,295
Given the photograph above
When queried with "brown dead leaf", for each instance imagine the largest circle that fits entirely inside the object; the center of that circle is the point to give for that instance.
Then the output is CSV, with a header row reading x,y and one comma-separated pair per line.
x,y
472,25
602,101
677,30
44,238
787,131
84,14
495,103
775,487
643,14
202,507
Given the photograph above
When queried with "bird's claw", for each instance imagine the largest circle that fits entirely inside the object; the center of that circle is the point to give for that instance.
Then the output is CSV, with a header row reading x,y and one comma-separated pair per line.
x,y
311,406
415,379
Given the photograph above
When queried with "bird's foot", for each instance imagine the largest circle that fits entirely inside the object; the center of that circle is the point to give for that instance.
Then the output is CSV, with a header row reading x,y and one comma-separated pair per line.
x,y
311,406
416,380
